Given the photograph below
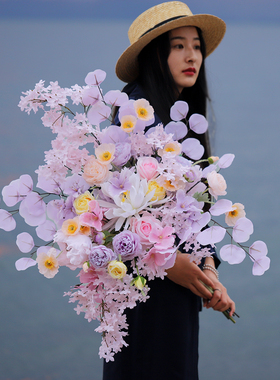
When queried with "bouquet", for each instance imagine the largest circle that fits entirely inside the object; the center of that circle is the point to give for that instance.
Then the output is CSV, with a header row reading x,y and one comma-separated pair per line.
x,y
116,202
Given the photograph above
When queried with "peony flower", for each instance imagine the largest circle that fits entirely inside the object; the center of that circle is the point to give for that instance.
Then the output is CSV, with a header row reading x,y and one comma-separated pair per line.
x,y
117,269
127,245
159,191
95,173
71,227
100,256
143,109
105,153
81,202
217,184
47,261
147,167
122,153
128,123
236,213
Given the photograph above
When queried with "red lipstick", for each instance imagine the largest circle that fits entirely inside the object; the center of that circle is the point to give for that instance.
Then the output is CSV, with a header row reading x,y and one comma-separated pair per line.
x,y
190,71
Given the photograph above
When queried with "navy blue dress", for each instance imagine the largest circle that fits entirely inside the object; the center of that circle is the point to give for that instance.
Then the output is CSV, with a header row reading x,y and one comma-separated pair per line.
x,y
163,331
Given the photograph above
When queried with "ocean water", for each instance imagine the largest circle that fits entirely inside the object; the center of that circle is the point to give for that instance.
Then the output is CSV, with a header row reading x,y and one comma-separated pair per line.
x,y
41,337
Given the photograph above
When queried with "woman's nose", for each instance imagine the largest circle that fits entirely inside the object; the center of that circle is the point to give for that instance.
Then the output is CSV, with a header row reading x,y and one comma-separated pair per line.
x,y
189,55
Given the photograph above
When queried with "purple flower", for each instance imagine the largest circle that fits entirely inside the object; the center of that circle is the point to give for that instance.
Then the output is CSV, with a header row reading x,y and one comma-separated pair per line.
x,y
100,256
119,183
122,154
127,244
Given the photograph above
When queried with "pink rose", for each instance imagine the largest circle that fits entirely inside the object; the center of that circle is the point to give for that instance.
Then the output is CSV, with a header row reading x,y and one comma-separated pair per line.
x,y
147,167
217,184
95,173
143,227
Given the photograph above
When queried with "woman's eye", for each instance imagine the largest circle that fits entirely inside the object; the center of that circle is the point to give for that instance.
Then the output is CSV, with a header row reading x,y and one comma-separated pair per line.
x,y
179,46
197,47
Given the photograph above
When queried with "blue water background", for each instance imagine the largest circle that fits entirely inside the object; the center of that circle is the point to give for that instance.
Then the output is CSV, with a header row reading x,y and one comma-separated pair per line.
x,y
41,337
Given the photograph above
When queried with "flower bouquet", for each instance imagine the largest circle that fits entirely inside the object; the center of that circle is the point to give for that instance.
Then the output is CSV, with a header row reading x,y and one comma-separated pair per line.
x,y
118,210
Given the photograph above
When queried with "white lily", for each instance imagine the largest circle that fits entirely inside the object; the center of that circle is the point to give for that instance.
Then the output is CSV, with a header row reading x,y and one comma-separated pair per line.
x,y
130,203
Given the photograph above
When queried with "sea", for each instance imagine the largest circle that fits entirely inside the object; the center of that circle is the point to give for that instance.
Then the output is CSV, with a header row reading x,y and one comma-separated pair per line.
x,y
41,337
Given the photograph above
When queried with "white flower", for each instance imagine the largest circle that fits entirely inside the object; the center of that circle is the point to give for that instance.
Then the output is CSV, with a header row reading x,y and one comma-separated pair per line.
x,y
130,203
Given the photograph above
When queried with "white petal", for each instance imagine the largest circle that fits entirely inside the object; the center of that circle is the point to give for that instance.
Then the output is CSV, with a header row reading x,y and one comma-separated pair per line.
x,y
24,263
232,254
220,207
211,235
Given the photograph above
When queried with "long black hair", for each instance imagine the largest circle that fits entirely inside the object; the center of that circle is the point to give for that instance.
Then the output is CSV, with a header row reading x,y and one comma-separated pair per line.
x,y
159,86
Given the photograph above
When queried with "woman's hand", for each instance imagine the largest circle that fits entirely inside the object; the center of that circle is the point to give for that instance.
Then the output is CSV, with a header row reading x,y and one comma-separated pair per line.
x,y
220,300
187,274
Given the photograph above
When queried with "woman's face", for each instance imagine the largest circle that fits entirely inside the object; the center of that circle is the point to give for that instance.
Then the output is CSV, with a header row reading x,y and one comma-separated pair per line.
x,y
185,57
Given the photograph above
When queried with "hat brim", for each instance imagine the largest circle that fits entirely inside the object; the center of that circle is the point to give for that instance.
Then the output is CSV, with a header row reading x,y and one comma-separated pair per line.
x,y
213,30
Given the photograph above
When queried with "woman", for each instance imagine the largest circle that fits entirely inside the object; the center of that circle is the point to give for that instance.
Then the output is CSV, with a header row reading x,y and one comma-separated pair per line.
x,y
164,63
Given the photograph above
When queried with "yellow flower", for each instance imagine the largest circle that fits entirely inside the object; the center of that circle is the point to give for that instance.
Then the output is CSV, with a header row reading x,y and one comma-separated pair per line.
x,y
236,213
71,226
140,282
105,153
81,202
128,123
172,147
47,263
143,109
159,190
117,269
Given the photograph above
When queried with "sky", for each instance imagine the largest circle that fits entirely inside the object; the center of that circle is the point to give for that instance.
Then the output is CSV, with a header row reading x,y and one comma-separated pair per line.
x,y
255,11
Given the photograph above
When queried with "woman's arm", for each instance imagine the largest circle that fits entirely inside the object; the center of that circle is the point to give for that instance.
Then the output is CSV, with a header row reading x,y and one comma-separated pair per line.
x,y
187,274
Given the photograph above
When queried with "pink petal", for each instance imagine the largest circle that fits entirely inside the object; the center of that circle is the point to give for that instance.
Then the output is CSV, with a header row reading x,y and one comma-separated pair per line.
x,y
90,96
25,242
35,204
46,231
211,235
24,263
198,123
200,223
25,184
7,222
95,77
232,254
177,128
31,220
220,207
242,230
260,266
226,160
11,194
98,113
179,110
50,185
258,250
192,148
116,98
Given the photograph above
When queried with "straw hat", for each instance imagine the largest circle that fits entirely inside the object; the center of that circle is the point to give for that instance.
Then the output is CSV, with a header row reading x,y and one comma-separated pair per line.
x,y
158,20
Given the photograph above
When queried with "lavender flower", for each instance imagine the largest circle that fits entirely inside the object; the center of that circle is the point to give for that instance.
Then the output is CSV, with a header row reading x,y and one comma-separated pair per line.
x,y
100,256
122,153
127,245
